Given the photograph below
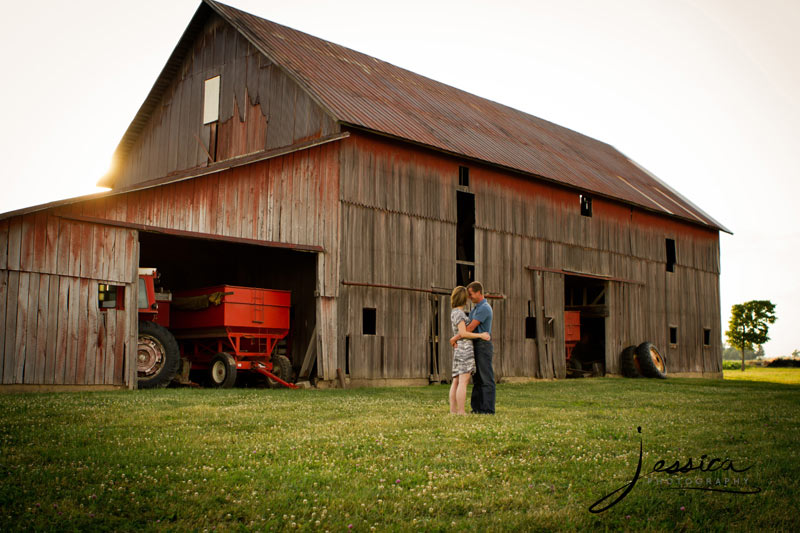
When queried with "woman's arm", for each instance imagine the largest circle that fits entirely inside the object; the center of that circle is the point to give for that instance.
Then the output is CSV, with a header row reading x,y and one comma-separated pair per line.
x,y
464,334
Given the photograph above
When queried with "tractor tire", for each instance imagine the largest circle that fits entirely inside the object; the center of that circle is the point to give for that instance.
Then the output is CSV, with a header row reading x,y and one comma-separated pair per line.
x,y
651,363
222,371
628,364
281,367
157,356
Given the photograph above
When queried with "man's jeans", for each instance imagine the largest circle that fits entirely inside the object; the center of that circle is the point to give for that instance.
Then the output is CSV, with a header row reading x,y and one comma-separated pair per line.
x,y
482,400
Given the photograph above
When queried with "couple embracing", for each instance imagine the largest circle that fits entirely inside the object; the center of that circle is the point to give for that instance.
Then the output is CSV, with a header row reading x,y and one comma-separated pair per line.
x,y
472,350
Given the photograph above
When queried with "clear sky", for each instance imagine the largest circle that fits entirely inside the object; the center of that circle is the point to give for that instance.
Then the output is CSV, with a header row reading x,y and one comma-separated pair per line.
x,y
703,93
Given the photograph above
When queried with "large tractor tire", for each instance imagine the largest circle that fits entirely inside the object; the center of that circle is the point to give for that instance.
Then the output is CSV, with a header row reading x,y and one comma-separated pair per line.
x,y
222,372
651,363
157,357
628,364
281,367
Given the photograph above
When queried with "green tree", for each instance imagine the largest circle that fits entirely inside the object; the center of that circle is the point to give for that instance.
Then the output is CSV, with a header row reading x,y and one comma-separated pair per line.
x,y
749,324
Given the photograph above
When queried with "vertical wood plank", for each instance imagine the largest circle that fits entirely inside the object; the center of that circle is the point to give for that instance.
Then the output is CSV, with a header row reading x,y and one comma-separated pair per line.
x,y
82,354
64,235
31,348
40,251
102,340
22,326
12,299
62,331
110,346
42,328
3,248
4,274
92,311
75,249
71,365
121,341
27,242
14,242
53,313
134,317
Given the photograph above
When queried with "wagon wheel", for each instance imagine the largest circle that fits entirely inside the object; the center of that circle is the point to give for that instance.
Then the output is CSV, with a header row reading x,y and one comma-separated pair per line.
x,y
281,367
157,356
650,361
628,363
222,372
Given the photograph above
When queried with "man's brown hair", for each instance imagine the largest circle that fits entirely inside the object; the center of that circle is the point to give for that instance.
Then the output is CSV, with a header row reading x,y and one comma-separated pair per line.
x,y
475,286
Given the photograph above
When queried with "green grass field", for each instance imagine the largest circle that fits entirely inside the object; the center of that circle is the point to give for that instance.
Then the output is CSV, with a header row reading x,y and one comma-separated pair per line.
x,y
788,376
393,459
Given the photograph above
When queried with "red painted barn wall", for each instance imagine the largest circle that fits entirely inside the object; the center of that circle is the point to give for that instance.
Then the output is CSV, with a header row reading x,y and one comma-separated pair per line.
x,y
51,262
398,228
52,331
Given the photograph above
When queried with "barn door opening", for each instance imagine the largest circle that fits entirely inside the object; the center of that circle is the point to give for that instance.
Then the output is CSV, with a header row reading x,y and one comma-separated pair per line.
x,y
187,263
585,314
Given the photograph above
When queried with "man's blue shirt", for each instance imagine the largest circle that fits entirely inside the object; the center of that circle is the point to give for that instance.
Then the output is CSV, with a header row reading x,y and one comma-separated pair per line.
x,y
482,312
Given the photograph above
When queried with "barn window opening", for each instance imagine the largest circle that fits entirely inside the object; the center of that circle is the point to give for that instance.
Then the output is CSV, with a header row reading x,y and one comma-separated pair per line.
x,y
211,100
211,114
347,354
530,323
110,296
586,205
465,238
671,259
463,176
673,335
369,321
706,337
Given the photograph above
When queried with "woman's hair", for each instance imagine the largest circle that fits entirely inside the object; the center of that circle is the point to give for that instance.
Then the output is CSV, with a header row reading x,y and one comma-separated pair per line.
x,y
458,297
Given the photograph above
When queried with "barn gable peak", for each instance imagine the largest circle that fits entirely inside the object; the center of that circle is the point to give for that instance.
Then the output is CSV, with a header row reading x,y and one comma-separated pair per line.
x,y
219,96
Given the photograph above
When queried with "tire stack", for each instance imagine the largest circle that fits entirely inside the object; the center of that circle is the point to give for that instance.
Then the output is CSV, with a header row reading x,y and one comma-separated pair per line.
x,y
643,361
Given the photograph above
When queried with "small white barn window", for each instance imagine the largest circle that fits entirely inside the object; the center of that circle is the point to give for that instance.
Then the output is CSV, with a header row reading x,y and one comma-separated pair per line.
x,y
211,100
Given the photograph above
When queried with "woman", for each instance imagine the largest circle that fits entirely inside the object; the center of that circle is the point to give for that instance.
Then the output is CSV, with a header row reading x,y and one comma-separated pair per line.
x,y
463,354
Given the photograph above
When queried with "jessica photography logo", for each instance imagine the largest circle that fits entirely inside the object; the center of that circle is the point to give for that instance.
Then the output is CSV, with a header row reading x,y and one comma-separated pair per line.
x,y
687,476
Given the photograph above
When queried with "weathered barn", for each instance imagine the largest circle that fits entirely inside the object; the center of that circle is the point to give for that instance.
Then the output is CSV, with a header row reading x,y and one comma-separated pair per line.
x,y
267,157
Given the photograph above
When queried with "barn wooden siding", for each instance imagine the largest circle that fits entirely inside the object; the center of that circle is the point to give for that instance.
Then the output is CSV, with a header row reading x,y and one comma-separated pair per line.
x,y
291,199
52,331
261,108
399,230
523,223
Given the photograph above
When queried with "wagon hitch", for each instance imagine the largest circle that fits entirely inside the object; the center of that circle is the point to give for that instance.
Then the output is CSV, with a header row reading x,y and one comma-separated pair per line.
x,y
270,375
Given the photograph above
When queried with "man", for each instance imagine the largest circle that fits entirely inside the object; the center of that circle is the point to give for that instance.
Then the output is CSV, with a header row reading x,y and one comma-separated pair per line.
x,y
483,387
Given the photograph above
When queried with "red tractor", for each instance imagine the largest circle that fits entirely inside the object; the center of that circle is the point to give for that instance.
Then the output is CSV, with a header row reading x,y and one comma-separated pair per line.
x,y
219,331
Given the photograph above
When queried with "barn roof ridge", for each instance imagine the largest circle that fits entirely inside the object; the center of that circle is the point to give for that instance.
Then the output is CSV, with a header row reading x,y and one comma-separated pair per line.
x,y
359,90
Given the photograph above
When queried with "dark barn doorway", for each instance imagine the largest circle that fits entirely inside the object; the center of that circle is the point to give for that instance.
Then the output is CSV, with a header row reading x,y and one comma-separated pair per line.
x,y
587,296
189,263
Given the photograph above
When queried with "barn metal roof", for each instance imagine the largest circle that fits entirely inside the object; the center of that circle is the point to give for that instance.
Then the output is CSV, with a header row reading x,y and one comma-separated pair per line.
x,y
362,91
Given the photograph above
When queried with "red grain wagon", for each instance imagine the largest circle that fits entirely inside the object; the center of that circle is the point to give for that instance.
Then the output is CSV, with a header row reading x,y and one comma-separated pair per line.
x,y
222,330
227,329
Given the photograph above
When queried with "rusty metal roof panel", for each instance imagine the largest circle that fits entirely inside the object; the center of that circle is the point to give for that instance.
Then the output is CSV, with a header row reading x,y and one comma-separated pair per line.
x,y
366,92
